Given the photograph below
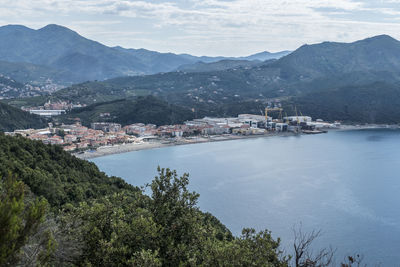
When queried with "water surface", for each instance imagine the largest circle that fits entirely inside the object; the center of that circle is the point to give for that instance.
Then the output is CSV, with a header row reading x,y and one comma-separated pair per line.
x,y
344,183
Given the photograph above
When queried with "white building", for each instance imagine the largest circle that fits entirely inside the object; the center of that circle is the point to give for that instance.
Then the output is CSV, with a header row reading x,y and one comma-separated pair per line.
x,y
47,113
299,118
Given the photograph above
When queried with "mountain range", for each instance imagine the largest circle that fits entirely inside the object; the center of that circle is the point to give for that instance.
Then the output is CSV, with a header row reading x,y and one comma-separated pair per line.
x,y
63,55
311,76
316,78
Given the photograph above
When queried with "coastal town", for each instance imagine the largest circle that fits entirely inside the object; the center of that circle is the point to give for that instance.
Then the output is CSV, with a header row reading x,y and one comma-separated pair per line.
x,y
78,138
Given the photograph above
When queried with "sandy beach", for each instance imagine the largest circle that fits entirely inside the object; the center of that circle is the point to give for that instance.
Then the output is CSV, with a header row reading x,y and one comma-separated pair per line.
x,y
123,148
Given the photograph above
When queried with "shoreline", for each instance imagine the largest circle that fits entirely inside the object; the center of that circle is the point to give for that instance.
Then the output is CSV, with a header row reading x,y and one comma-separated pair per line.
x,y
130,147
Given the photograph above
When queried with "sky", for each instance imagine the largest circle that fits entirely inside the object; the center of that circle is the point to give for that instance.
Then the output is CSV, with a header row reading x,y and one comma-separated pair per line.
x,y
211,27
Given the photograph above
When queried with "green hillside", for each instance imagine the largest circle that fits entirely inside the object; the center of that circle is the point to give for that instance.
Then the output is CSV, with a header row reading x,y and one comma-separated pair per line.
x,y
372,103
302,76
219,65
74,215
143,109
12,118
379,53
36,74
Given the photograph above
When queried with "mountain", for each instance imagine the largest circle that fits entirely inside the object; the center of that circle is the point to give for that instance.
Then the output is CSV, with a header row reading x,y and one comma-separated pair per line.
x,y
373,103
7,82
379,53
167,62
310,72
63,49
158,62
36,74
64,56
12,118
263,56
225,64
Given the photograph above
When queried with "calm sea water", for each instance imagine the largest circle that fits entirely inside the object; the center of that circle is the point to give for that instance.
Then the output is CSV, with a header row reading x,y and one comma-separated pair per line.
x,y
345,183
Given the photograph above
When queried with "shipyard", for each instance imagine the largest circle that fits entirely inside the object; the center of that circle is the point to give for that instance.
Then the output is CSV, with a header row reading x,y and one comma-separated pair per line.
x,y
103,138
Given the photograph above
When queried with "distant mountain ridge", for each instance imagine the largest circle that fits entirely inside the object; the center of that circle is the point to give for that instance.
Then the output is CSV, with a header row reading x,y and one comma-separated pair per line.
x,y
379,53
319,73
74,58
225,64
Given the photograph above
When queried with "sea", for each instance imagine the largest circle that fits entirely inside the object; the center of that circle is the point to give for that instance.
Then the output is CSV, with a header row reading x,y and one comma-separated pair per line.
x,y
344,183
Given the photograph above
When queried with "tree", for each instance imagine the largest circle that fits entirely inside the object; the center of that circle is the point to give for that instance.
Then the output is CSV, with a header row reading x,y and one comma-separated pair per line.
x,y
353,261
113,230
174,210
19,218
190,238
250,249
304,257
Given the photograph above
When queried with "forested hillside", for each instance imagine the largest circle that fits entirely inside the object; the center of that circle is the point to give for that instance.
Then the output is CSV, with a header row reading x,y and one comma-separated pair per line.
x,y
372,103
57,210
12,118
301,78
314,77
125,111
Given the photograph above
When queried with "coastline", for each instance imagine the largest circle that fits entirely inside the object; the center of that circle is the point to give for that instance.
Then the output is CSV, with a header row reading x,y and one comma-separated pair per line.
x,y
351,127
125,148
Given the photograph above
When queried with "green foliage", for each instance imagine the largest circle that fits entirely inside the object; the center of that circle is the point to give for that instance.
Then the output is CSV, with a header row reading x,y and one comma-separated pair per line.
x,y
250,249
166,229
53,173
114,228
96,220
12,118
145,258
372,103
19,219
218,66
174,209
143,109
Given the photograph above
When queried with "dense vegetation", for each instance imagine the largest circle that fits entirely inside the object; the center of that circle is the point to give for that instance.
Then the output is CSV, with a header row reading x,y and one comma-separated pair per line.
x,y
54,174
151,109
71,214
143,109
12,118
372,103
218,66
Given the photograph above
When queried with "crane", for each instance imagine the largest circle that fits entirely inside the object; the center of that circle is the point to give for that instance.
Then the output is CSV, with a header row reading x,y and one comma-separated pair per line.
x,y
271,109
297,116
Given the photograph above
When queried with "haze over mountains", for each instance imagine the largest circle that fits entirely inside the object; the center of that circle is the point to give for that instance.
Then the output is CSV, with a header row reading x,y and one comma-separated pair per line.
x,y
61,54
310,77
311,67
319,78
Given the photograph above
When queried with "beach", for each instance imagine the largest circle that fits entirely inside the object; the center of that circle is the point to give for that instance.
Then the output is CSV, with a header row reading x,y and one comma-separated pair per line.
x,y
159,143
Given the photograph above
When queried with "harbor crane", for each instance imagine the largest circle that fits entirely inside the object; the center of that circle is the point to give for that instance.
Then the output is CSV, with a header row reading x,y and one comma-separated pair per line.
x,y
272,109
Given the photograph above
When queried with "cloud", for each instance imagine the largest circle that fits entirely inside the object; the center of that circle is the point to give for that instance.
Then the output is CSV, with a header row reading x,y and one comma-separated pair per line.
x,y
229,27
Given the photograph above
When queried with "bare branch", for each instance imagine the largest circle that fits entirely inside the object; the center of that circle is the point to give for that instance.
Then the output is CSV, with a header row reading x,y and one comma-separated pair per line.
x,y
304,256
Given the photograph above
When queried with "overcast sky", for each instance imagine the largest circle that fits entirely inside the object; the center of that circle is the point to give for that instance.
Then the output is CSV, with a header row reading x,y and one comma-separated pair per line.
x,y
211,27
